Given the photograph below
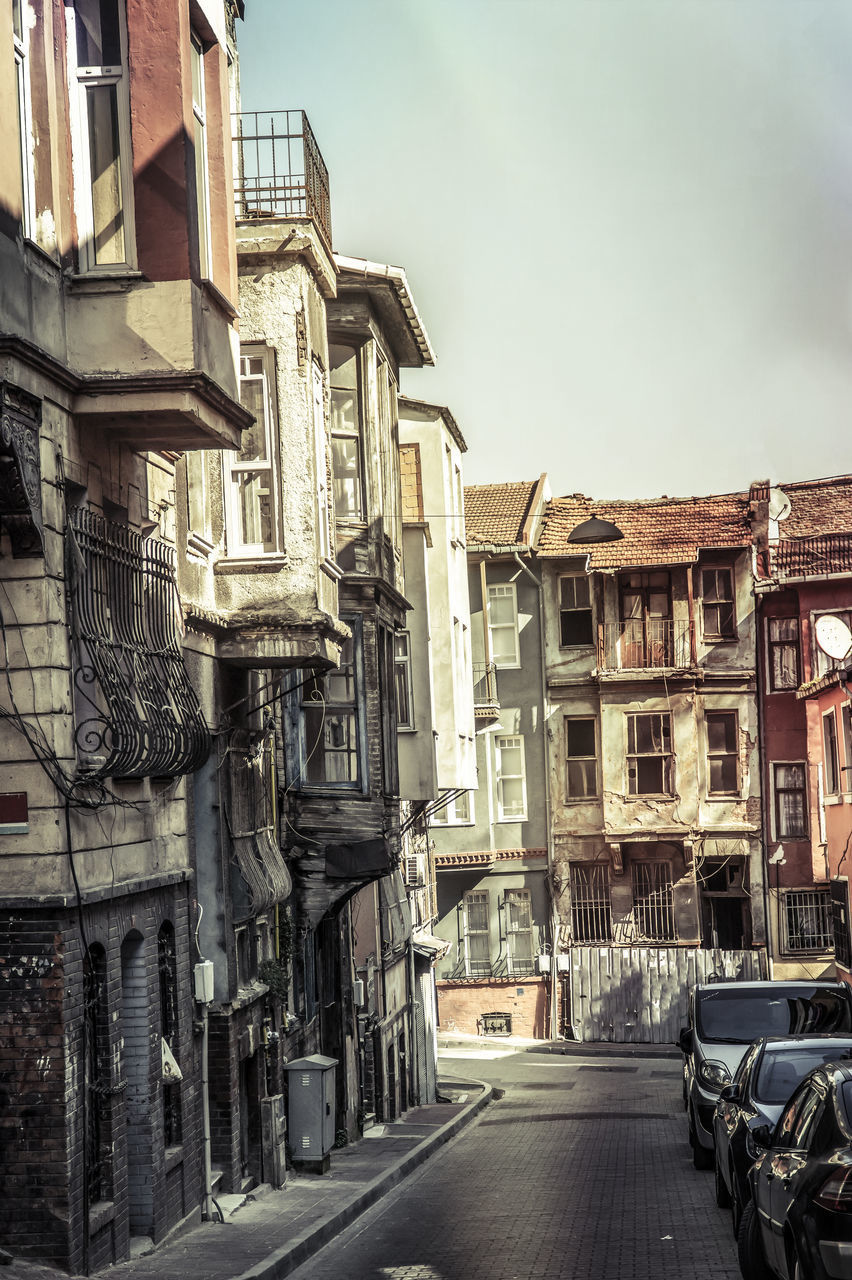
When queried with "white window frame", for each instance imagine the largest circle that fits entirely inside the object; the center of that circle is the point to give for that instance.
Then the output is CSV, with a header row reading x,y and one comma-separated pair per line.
x,y
21,50
504,590
457,812
348,433
509,742
234,466
575,608
321,461
202,165
402,672
80,81
832,791
789,764
772,644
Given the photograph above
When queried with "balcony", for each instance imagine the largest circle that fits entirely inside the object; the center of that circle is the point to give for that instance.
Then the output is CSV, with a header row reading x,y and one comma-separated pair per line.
x,y
486,704
641,644
279,170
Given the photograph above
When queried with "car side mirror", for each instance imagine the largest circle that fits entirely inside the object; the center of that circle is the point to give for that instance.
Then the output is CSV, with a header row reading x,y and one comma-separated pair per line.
x,y
685,1040
730,1093
762,1135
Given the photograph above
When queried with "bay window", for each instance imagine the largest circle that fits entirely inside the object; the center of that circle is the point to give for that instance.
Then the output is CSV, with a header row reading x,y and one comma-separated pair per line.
x,y
346,433
251,506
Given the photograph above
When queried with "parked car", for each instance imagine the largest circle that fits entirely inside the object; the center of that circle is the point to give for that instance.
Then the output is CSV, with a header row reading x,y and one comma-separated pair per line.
x,y
724,1018
765,1079
798,1222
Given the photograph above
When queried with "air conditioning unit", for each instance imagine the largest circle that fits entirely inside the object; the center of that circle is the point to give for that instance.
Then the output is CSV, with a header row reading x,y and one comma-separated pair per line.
x,y
413,871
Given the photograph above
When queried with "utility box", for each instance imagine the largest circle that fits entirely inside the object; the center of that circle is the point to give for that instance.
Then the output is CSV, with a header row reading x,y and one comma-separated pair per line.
x,y
311,1111
273,1127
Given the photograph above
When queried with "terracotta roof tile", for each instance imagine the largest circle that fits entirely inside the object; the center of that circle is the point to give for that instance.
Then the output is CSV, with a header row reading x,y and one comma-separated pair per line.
x,y
811,557
496,513
817,507
657,532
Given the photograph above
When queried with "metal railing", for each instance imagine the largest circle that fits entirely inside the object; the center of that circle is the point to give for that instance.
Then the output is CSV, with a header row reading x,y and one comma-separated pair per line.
x,y
808,920
485,685
641,643
279,171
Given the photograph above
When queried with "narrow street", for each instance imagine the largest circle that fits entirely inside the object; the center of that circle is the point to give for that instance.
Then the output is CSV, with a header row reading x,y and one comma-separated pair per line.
x,y
581,1171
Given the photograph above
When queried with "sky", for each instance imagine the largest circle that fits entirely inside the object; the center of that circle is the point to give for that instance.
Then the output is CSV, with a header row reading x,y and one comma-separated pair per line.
x,y
626,224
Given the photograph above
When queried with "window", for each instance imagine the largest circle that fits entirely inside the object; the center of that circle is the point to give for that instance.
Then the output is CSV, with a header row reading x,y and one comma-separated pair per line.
x,y
807,920
717,590
575,612
387,693
580,757
455,812
330,724
477,946
402,680
653,908
321,463
199,138
503,624
846,725
20,45
198,520
591,909
346,433
830,762
511,780
722,753
650,765
251,506
790,813
100,112
783,642
519,945
647,632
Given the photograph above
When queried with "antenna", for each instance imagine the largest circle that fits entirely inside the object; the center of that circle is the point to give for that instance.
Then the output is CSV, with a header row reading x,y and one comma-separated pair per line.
x,y
779,505
833,636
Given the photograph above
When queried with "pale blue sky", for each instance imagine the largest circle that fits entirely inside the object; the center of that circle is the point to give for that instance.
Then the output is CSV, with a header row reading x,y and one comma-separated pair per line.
x,y
627,224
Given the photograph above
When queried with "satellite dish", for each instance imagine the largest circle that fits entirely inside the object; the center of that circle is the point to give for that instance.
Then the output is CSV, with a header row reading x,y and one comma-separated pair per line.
x,y
833,636
779,505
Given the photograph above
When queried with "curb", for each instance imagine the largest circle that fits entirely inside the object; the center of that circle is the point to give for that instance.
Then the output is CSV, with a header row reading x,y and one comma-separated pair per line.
x,y
284,1260
566,1048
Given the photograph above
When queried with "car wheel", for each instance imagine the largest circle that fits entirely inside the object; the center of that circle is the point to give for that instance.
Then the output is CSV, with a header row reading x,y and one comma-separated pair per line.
x,y
723,1195
749,1249
701,1157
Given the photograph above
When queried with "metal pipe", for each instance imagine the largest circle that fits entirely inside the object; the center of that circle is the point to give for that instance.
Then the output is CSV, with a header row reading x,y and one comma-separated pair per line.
x,y
205,1118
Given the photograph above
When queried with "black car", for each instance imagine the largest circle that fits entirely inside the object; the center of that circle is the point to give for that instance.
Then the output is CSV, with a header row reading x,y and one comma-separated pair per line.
x,y
772,1068
798,1223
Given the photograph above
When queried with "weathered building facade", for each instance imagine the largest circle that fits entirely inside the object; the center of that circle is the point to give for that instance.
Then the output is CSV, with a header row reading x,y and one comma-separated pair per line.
x,y
117,352
803,581
654,776
491,844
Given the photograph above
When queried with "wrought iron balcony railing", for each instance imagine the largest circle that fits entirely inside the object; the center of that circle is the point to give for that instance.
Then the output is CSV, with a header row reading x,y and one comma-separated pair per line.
x,y
279,170
485,697
136,713
642,643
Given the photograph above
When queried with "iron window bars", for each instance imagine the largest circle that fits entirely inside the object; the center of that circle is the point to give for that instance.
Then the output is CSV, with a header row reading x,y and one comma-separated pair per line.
x,y
137,715
280,172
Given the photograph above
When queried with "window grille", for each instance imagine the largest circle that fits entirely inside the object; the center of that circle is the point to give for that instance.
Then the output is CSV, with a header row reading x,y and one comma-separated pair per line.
x,y
518,914
653,906
476,934
167,966
591,909
137,715
807,919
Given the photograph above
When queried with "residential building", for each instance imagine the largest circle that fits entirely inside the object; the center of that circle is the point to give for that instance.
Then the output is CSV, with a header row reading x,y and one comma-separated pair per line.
x,y
654,777
117,353
491,844
803,585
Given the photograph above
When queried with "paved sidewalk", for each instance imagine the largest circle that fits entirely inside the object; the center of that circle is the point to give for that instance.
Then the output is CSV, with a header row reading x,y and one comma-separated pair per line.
x,y
449,1040
269,1233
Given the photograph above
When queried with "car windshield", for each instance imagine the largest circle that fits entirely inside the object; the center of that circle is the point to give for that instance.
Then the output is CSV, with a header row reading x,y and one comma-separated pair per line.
x,y
781,1070
728,1016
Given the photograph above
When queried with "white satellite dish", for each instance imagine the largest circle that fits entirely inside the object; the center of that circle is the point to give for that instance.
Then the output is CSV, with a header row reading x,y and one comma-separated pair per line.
x,y
779,505
833,636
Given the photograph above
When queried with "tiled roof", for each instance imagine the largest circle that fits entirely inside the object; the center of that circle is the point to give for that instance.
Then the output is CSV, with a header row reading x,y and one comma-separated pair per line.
x,y
817,507
483,858
496,513
662,531
812,557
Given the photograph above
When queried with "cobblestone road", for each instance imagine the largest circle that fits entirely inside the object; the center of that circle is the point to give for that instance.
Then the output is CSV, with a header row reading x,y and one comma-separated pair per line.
x,y
580,1172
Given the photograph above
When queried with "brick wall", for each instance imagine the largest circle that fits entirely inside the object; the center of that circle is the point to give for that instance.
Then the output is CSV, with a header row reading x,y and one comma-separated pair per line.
x,y
462,1004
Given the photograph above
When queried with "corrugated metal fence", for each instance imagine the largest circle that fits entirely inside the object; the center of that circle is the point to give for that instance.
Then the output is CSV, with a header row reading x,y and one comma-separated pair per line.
x,y
639,995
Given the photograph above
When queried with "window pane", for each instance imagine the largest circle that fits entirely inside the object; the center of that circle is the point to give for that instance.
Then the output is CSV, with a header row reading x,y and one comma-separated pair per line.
x,y
347,477
513,796
254,503
723,774
105,161
721,734
253,441
98,41
790,775
343,361
502,610
510,761
503,647
462,807
580,736
576,627
581,778
344,411
649,776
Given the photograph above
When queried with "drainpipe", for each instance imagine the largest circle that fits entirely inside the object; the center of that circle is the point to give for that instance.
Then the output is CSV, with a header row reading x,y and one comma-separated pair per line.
x,y
762,770
554,926
204,995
